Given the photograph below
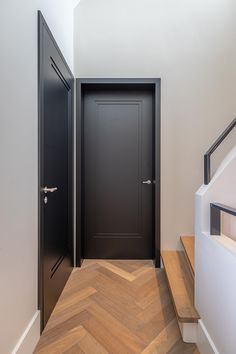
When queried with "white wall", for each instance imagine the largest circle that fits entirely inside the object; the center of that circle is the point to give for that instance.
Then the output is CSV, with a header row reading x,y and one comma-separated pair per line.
x,y
215,266
190,45
18,156
59,14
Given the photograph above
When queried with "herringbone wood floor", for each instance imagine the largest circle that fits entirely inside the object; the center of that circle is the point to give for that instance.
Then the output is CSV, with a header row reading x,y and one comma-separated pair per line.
x,y
115,307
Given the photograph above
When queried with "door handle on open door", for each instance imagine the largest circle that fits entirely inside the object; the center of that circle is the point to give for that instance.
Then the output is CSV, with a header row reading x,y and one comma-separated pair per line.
x,y
49,190
147,182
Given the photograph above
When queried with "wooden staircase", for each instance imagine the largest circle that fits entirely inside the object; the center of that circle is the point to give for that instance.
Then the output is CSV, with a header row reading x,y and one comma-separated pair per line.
x,y
179,268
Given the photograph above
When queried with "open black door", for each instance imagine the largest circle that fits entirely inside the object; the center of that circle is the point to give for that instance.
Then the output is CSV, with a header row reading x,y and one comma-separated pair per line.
x,y
55,171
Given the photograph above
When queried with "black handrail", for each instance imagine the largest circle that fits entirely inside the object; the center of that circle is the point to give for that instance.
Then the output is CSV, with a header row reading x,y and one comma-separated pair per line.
x,y
207,156
215,210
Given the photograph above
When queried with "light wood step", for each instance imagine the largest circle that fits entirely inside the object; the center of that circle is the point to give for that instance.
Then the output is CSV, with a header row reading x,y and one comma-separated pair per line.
x,y
188,245
181,285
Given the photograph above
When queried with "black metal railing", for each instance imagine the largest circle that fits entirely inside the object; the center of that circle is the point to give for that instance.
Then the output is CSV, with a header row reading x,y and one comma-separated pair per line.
x,y
215,215
207,156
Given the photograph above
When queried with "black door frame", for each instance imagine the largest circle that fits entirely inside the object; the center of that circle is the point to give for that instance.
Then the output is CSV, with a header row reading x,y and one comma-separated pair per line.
x,y
41,26
156,85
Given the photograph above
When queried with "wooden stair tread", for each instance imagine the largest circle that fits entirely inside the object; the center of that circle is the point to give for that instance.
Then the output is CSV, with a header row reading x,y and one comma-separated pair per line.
x,y
188,245
181,285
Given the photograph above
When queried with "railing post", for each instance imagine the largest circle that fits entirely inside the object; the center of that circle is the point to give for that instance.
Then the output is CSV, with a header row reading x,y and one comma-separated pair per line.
x,y
207,169
215,220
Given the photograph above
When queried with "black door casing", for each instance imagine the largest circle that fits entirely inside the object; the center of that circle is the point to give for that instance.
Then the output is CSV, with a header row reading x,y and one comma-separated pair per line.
x,y
119,212
55,170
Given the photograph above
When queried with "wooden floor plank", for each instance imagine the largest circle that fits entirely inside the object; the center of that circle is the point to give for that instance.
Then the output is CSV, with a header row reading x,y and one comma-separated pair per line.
x,y
75,298
64,342
122,273
104,336
74,350
90,345
58,317
117,328
165,340
114,307
151,329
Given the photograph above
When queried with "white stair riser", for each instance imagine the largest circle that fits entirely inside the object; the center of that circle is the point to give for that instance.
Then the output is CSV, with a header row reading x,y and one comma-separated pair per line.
x,y
188,331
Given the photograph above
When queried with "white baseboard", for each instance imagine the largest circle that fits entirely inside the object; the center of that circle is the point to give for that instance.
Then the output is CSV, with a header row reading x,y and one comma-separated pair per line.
x,y
30,337
204,342
189,332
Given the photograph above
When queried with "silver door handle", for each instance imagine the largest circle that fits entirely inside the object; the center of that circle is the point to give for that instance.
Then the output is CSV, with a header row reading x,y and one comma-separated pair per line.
x,y
147,182
49,190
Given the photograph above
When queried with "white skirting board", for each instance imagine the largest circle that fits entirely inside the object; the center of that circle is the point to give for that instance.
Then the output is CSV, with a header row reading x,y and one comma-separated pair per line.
x,y
204,342
30,337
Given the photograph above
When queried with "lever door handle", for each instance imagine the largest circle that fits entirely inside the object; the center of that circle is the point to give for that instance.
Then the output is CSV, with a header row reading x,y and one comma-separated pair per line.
x,y
147,182
49,190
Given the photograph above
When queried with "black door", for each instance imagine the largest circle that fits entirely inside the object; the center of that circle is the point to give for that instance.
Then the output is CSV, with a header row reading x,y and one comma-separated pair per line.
x,y
56,106
118,171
